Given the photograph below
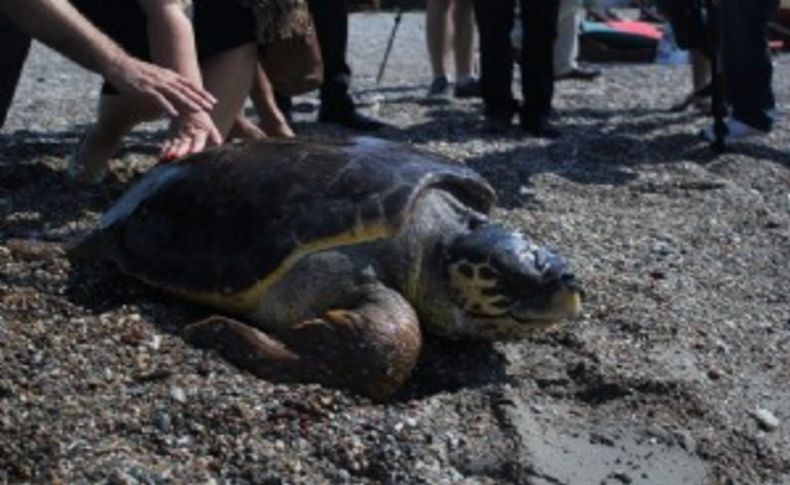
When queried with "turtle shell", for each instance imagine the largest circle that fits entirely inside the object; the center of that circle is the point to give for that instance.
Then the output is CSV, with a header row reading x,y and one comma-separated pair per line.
x,y
219,223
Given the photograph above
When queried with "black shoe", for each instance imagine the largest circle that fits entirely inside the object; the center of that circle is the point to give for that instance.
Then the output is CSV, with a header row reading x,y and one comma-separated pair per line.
x,y
439,88
496,125
541,128
580,74
467,88
350,118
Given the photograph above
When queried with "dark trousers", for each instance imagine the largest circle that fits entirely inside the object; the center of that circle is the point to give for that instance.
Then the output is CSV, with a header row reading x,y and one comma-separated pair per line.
x,y
331,25
747,63
14,46
539,22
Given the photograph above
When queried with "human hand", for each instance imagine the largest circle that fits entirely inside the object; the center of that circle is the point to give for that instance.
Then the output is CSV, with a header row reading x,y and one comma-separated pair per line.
x,y
189,134
172,92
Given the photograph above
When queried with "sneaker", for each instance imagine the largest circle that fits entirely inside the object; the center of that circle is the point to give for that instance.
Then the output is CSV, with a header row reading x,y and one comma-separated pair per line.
x,y
496,125
541,128
440,87
733,130
579,74
469,87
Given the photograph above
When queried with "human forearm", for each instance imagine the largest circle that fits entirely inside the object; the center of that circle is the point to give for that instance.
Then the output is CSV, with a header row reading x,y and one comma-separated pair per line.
x,y
171,37
58,24
172,45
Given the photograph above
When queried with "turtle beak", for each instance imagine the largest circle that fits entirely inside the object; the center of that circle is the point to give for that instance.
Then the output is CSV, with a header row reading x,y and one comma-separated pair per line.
x,y
559,281
567,300
557,296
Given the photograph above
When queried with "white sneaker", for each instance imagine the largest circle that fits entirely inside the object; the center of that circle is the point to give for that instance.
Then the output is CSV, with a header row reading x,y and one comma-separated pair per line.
x,y
733,130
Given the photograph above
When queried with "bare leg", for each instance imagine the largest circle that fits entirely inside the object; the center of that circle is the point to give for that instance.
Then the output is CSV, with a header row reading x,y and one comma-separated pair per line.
x,y
464,37
245,129
272,120
370,349
700,69
436,30
701,79
566,45
230,90
117,115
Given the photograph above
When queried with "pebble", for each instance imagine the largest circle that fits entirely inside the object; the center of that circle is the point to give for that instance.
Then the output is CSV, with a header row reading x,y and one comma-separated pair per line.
x,y
686,441
765,419
715,373
164,422
120,477
178,394
622,477
155,343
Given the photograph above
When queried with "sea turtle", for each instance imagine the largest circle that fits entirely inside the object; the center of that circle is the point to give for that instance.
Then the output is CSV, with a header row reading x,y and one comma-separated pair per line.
x,y
335,255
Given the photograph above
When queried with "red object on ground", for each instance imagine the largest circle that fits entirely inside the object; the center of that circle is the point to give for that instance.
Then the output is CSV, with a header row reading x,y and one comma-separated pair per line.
x,y
635,27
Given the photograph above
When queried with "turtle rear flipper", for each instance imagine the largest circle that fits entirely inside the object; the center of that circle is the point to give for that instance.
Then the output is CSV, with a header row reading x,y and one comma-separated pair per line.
x,y
370,349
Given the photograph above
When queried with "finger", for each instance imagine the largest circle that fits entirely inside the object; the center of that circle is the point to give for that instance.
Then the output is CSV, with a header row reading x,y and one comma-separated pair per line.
x,y
195,93
214,136
198,142
196,90
163,103
191,102
182,147
167,154
183,104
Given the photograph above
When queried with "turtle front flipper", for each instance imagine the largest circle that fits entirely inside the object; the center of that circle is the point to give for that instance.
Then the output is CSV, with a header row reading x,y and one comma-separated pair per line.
x,y
370,349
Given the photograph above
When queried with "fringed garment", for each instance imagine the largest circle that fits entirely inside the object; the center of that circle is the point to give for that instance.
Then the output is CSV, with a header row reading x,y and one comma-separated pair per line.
x,y
278,20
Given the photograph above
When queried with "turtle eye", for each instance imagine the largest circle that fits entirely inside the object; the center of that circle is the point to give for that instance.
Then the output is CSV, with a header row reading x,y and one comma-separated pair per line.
x,y
466,270
488,273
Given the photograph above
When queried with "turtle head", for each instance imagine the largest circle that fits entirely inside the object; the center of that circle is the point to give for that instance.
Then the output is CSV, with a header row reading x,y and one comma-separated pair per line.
x,y
503,285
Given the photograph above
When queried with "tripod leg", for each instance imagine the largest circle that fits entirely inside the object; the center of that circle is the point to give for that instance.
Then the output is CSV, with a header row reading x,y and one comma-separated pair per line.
x,y
717,81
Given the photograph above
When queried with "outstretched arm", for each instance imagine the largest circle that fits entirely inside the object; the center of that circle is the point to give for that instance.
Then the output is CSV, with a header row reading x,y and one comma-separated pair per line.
x,y
172,44
58,24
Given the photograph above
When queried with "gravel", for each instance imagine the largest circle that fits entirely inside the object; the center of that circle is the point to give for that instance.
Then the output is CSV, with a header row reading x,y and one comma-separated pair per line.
x,y
684,255
765,419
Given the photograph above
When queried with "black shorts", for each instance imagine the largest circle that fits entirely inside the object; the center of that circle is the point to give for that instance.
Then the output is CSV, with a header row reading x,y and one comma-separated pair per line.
x,y
14,46
220,25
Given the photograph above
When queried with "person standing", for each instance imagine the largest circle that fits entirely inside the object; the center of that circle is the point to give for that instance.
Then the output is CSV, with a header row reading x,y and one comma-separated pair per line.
x,y
450,25
539,24
566,47
337,106
747,66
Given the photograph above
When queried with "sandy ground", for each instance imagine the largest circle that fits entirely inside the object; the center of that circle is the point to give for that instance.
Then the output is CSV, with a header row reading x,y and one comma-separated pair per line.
x,y
676,374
